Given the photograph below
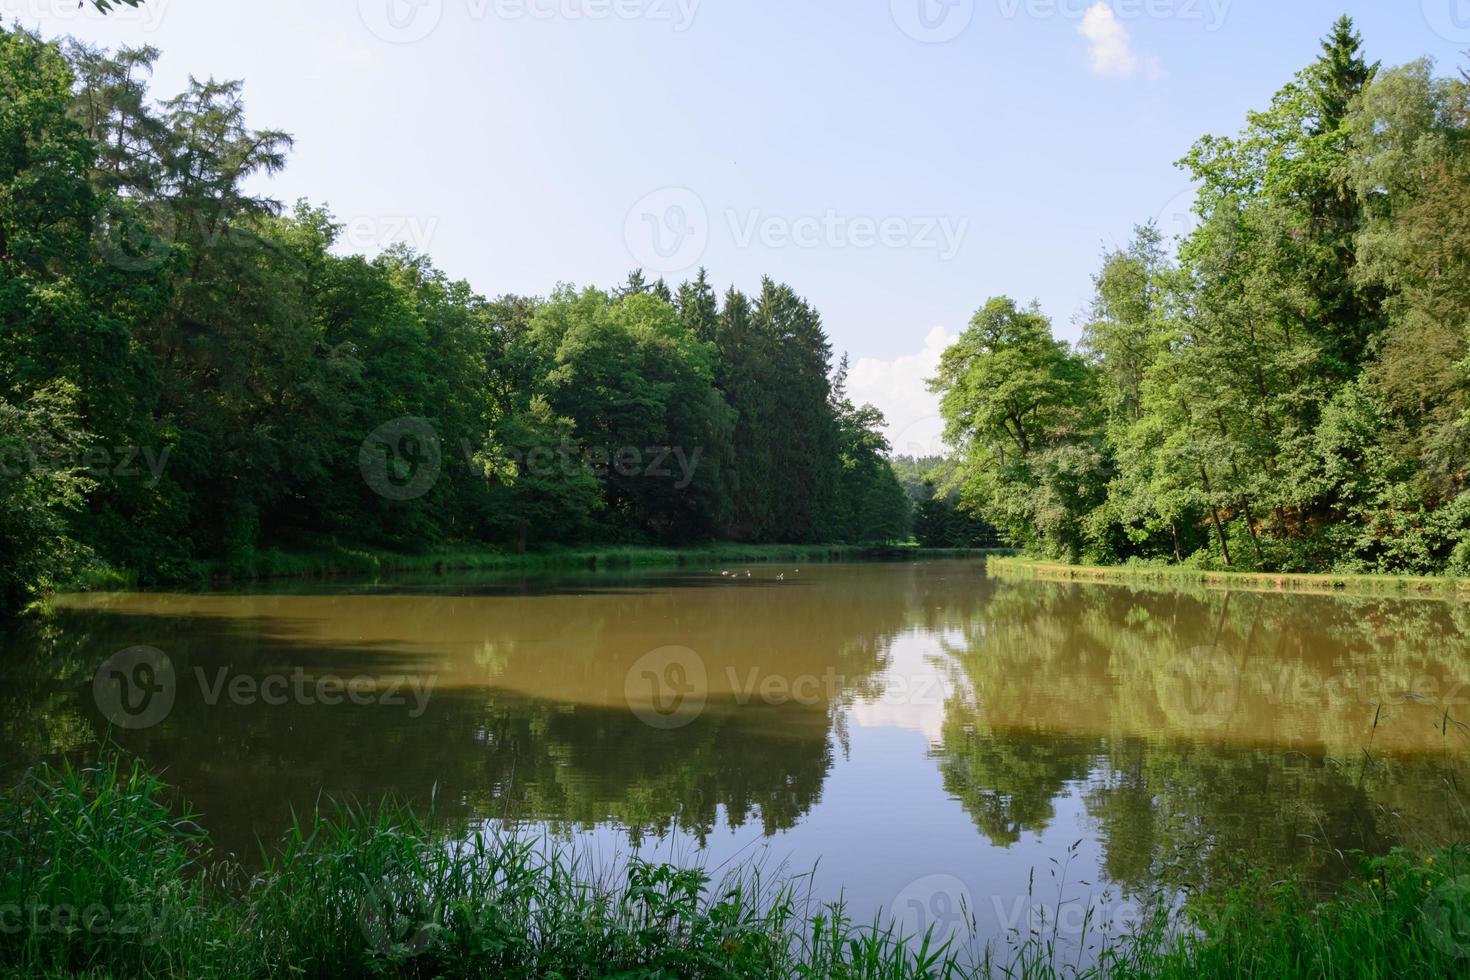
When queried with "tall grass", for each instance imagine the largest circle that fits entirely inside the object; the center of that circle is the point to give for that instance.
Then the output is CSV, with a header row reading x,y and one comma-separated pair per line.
x,y
104,873
1173,576
100,878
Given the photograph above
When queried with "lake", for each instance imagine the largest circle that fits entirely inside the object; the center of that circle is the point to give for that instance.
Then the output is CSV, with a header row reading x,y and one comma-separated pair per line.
x,y
921,736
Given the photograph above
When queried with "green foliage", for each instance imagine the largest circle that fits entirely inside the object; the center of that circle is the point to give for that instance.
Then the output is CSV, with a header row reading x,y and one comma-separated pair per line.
x,y
102,874
40,478
236,381
1024,408
97,874
938,519
1292,391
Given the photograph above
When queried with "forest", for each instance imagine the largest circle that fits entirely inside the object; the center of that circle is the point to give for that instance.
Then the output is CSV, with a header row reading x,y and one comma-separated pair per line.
x,y
1284,388
191,373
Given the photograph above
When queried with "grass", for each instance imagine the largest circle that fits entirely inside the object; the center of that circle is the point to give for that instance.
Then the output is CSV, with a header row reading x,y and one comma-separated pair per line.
x,y
1173,576
104,873
339,561
101,878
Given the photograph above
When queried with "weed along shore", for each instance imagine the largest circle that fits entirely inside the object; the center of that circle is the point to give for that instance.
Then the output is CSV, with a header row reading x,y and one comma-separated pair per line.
x,y
106,872
355,562
1164,576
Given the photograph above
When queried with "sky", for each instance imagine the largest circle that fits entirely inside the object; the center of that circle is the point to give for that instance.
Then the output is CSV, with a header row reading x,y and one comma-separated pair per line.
x,y
896,161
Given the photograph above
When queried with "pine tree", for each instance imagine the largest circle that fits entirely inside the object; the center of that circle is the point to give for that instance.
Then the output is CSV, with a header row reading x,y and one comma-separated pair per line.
x,y
1340,74
696,304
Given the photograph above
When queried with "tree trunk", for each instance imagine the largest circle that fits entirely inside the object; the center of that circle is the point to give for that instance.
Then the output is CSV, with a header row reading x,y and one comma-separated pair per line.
x,y
1215,516
1250,526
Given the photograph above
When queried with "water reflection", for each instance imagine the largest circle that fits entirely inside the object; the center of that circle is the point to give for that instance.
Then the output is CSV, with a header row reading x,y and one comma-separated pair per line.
x,y
954,724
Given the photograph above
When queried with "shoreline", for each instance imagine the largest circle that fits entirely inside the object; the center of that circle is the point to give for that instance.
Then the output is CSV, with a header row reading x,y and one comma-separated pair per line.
x,y
345,562
1327,583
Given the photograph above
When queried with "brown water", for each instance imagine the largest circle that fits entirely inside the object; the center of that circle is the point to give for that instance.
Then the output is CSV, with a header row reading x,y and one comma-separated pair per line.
x,y
922,734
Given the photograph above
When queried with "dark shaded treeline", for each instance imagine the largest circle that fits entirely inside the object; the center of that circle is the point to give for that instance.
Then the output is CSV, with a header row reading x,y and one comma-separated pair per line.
x,y
1291,391
939,516
190,374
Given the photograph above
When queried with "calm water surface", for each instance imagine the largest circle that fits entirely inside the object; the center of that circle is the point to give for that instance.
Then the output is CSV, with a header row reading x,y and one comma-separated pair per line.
x,y
922,735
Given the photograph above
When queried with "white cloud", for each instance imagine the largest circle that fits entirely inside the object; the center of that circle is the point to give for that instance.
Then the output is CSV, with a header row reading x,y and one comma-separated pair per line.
x,y
898,389
1110,51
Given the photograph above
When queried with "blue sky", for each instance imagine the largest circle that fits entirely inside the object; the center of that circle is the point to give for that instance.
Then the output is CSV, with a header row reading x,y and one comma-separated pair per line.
x,y
897,161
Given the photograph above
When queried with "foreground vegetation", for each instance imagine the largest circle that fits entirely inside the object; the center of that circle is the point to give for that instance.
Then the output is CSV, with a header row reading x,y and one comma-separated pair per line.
x,y
1291,390
101,873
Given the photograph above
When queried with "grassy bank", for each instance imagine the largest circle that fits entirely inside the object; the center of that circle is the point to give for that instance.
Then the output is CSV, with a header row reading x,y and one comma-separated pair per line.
x,y
344,561
1176,576
103,873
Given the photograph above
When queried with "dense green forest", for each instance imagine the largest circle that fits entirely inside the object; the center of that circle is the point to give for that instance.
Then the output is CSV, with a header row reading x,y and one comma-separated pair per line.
x,y
940,519
191,374
1289,389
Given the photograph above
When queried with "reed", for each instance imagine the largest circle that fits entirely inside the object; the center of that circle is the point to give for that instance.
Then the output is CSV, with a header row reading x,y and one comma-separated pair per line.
x,y
104,872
